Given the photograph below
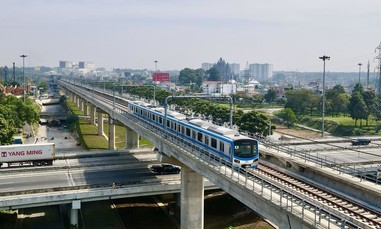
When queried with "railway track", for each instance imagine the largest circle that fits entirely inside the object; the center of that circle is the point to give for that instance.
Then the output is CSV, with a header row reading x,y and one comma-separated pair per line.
x,y
357,212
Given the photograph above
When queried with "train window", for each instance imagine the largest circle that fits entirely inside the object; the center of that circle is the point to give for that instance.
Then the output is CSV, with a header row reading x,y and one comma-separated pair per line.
x,y
160,120
206,140
188,132
182,129
193,134
213,142
222,147
179,128
173,126
245,148
199,137
153,117
168,123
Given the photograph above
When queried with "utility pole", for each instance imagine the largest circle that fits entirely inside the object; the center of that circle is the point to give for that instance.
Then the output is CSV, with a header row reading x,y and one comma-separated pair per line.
x,y
23,74
14,72
155,65
359,64
323,109
367,77
379,65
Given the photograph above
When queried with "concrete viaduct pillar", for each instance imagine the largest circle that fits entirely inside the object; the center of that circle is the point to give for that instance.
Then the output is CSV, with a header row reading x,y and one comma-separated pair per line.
x,y
85,108
132,138
111,134
78,101
75,206
81,102
92,114
73,97
100,123
192,199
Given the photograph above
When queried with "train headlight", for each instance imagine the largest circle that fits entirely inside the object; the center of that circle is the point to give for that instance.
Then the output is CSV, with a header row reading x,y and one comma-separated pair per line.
x,y
236,161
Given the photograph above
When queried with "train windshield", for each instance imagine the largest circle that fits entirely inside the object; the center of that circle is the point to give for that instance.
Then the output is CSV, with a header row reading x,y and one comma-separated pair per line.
x,y
245,148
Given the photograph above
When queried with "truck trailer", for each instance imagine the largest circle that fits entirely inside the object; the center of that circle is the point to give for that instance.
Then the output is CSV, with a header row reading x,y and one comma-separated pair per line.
x,y
33,154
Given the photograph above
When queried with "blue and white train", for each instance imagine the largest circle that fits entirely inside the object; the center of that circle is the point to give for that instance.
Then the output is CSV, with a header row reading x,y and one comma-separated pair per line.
x,y
240,150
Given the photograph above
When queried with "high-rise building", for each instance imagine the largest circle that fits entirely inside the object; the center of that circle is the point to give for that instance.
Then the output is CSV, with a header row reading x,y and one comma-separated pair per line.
x,y
207,66
66,64
86,65
261,71
234,68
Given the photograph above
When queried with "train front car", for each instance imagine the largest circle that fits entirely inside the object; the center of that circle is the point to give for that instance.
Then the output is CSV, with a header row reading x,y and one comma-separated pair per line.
x,y
245,152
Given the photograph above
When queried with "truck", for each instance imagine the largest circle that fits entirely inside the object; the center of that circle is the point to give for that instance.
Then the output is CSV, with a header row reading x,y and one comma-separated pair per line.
x,y
33,154
360,141
165,169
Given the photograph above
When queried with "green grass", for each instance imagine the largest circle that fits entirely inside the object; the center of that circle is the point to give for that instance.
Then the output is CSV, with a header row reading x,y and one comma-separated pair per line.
x,y
342,125
348,121
88,133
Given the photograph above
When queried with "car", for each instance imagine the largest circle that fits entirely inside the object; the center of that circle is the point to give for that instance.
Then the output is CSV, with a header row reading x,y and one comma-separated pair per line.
x,y
360,141
165,169
17,140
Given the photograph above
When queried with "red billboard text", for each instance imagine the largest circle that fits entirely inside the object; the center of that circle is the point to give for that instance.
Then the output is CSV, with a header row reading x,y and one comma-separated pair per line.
x,y
160,76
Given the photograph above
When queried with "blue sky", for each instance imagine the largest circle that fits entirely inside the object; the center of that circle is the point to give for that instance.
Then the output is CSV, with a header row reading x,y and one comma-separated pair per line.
x,y
290,34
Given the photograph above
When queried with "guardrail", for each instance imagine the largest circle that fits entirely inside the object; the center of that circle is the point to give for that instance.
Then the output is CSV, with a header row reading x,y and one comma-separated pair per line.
x,y
324,161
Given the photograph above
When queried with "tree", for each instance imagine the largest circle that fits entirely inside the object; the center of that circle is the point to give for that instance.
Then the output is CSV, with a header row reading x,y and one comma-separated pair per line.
x,y
200,75
224,69
288,116
358,88
270,96
339,89
300,100
357,108
370,100
186,76
44,86
213,74
7,131
254,122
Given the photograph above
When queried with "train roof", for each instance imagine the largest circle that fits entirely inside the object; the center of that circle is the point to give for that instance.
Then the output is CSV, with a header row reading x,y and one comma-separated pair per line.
x,y
212,127
170,113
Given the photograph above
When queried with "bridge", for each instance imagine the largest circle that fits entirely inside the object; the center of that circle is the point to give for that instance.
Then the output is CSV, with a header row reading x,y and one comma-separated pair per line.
x,y
274,201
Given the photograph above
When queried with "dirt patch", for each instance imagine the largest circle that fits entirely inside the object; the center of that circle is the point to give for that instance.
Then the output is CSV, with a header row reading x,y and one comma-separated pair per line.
x,y
297,132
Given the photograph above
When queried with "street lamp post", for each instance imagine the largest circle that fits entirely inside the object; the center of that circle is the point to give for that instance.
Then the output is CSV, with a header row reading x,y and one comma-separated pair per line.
x,y
359,64
23,74
323,109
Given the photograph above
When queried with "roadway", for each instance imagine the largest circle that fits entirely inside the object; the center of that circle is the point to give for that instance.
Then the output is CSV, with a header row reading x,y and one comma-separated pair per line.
x,y
105,170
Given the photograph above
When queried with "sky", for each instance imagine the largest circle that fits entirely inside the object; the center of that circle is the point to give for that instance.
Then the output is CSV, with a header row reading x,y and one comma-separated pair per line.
x,y
290,34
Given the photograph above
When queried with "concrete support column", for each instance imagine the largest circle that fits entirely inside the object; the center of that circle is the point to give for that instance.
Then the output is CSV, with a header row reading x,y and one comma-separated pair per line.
x,y
85,108
92,114
111,134
192,199
77,101
75,206
132,138
81,102
73,97
100,123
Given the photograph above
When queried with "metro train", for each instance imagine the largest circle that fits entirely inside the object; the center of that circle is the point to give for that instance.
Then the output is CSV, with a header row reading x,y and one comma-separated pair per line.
x,y
239,150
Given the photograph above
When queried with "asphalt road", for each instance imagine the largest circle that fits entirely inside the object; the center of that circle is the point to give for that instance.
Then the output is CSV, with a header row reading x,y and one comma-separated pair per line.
x,y
86,171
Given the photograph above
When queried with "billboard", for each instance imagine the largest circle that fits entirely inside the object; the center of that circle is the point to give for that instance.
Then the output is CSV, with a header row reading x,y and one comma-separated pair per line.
x,y
160,76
